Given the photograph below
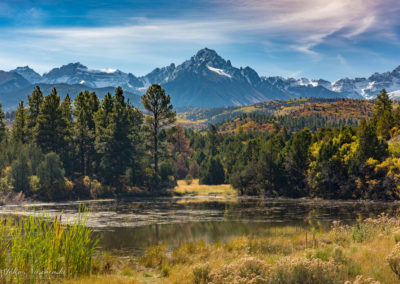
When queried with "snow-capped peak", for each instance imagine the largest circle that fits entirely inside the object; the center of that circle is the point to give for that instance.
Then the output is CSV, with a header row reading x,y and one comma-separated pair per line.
x,y
28,73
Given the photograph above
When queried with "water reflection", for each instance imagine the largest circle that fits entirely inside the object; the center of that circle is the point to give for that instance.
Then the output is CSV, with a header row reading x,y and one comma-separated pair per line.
x,y
133,225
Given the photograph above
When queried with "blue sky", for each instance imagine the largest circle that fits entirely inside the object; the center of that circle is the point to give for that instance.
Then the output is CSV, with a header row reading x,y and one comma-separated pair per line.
x,y
296,38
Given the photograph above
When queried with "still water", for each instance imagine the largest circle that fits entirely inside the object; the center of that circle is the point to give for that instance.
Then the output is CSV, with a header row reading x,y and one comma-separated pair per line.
x,y
133,225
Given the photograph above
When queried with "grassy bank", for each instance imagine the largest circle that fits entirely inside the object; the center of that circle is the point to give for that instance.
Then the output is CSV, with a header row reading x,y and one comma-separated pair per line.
x,y
367,252
37,248
193,188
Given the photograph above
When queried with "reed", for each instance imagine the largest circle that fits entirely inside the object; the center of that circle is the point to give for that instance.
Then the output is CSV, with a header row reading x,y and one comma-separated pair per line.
x,y
36,248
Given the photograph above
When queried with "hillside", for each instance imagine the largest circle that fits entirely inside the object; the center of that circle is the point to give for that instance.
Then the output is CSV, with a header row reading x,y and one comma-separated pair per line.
x,y
313,113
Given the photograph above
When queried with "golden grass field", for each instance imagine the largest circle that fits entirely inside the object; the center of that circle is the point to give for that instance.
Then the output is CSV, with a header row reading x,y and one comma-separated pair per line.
x,y
196,189
356,254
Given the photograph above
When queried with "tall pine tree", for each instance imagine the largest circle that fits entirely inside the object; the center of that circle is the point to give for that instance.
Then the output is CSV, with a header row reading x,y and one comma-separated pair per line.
x,y
161,114
19,129
50,127
2,126
34,103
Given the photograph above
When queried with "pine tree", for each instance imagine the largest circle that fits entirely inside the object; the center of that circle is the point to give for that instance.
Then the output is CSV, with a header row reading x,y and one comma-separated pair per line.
x,y
212,172
51,175
67,153
34,103
383,116
114,141
20,173
86,105
2,126
296,161
66,110
50,125
370,146
19,129
161,114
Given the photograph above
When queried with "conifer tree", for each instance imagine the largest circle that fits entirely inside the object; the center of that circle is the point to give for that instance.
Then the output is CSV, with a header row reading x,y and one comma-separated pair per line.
x,y
113,137
51,175
161,114
20,173
19,128
2,126
383,116
86,105
67,153
34,103
50,125
370,146
212,172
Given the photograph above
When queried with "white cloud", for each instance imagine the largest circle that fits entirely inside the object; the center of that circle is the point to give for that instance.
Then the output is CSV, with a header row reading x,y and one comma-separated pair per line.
x,y
279,25
307,23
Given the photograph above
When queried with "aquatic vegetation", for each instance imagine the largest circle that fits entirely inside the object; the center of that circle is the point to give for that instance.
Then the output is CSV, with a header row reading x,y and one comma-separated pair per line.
x,y
38,248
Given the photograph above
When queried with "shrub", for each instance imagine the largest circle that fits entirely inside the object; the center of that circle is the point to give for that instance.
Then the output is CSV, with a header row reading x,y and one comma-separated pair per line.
x,y
189,179
34,183
186,251
155,256
394,260
201,274
360,279
290,270
246,270
165,270
360,232
336,254
97,189
340,233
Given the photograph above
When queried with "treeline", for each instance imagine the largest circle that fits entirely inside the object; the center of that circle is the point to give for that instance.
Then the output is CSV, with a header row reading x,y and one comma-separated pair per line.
x,y
291,124
349,162
87,148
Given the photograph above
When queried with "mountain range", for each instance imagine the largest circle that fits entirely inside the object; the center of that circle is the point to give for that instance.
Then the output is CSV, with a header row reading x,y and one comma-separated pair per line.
x,y
205,80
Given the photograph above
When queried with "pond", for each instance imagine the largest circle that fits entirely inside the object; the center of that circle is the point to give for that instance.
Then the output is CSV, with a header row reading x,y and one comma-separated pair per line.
x,y
133,225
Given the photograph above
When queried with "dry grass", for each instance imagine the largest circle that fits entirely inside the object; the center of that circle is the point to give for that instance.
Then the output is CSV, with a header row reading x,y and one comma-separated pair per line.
x,y
195,189
283,255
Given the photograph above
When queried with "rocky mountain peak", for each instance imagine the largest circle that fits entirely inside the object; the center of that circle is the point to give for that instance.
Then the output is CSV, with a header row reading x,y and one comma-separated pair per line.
x,y
209,57
28,73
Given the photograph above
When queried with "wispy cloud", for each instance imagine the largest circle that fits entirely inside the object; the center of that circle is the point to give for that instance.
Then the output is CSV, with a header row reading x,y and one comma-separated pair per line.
x,y
308,23
299,26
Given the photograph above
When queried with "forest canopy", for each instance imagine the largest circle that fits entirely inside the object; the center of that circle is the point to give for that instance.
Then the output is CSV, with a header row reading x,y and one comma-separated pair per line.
x,y
91,148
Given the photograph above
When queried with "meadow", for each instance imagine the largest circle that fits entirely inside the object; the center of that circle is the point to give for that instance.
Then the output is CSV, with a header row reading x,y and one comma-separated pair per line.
x,y
39,249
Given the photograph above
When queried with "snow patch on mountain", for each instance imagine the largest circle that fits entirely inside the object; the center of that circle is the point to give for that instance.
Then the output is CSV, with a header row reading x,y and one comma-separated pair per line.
x,y
28,73
202,80
219,71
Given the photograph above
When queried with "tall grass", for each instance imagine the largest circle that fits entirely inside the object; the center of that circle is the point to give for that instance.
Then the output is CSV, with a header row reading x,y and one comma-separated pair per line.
x,y
37,248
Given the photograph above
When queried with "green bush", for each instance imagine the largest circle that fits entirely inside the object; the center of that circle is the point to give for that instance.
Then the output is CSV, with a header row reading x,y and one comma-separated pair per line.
x,y
189,179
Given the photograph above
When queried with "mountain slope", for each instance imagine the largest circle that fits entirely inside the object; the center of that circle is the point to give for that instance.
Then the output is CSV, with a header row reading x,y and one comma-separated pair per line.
x,y
76,73
28,73
10,81
11,99
205,80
